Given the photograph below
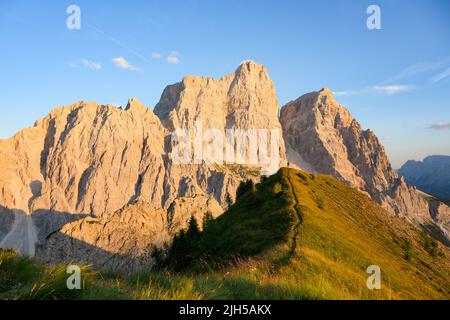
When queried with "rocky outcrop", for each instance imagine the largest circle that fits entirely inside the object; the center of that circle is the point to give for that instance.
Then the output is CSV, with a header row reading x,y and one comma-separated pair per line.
x,y
322,136
121,241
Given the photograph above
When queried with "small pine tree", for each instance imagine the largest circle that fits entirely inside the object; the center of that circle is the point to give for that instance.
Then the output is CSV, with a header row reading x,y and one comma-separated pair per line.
x,y
193,231
207,219
178,249
159,257
244,187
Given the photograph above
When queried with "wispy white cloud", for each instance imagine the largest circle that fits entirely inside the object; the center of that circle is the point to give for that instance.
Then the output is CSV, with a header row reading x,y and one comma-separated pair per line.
x,y
388,90
173,58
91,64
392,89
156,55
390,86
441,76
85,63
440,126
122,63
342,93
417,69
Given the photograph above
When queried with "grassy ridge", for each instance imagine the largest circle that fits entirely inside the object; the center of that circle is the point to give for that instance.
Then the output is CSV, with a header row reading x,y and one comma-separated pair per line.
x,y
343,232
294,236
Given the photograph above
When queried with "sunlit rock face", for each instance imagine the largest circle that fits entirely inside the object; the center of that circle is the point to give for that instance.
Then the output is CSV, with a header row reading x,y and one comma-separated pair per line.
x,y
244,100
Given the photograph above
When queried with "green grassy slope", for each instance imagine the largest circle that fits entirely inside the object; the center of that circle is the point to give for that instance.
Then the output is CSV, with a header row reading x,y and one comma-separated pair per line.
x,y
343,232
294,236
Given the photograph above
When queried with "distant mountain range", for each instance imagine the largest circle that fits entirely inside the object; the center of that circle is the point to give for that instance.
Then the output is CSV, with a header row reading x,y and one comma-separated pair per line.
x,y
432,175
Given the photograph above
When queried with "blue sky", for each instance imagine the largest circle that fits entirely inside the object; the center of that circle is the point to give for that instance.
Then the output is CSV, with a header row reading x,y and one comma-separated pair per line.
x,y
395,81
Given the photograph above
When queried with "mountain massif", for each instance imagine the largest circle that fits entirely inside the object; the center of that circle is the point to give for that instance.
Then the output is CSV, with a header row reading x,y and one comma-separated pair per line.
x,y
101,184
432,175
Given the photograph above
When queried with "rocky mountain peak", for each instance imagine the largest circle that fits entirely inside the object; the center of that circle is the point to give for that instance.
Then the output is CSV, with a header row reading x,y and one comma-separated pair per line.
x,y
244,99
135,105
250,67
220,101
322,106
322,136
326,91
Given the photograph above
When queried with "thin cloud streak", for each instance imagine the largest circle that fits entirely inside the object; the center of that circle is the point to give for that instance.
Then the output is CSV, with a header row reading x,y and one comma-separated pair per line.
x,y
91,64
441,76
156,55
387,90
417,69
440,126
390,90
390,87
118,42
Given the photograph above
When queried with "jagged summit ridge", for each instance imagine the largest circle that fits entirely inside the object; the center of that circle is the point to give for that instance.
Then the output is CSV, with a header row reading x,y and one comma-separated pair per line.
x,y
243,100
221,102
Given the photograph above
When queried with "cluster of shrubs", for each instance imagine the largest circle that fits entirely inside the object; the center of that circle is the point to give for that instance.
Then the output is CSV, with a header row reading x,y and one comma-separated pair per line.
x,y
186,247
256,220
193,247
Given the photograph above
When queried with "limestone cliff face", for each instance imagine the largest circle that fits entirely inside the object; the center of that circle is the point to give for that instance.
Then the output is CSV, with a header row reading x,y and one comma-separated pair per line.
x,y
81,161
323,137
97,183
244,100
85,158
